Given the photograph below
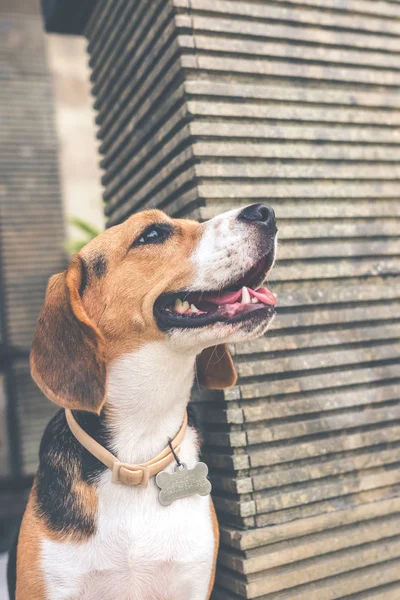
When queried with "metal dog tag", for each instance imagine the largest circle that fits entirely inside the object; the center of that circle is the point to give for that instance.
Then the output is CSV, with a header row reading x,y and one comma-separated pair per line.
x,y
183,482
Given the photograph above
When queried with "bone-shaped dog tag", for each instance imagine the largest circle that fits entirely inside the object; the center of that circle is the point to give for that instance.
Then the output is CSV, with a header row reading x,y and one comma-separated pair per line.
x,y
183,482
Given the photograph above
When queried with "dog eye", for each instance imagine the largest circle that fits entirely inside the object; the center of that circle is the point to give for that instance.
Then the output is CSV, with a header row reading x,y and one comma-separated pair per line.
x,y
154,234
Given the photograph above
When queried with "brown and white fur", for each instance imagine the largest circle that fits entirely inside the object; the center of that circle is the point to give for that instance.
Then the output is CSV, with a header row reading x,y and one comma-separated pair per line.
x,y
100,350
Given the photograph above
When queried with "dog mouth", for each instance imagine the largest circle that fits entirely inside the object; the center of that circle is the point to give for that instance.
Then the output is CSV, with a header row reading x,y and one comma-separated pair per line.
x,y
239,301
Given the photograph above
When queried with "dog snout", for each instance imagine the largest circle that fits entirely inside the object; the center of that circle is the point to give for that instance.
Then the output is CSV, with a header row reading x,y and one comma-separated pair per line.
x,y
259,214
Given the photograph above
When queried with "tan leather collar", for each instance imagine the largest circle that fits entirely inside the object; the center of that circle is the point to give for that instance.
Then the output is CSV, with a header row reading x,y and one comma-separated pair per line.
x,y
123,472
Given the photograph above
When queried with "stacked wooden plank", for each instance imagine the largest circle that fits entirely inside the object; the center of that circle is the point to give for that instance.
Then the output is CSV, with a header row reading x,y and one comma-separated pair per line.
x,y
31,227
208,105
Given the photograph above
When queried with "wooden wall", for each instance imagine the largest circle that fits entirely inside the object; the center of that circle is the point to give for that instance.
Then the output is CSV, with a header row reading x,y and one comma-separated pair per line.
x,y
207,105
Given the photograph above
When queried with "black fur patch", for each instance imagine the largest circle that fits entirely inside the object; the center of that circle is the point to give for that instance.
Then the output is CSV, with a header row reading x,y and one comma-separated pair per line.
x,y
63,464
99,266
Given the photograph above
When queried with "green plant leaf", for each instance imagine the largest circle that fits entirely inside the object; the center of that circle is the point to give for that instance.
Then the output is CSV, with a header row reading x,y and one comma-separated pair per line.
x,y
74,246
85,227
90,231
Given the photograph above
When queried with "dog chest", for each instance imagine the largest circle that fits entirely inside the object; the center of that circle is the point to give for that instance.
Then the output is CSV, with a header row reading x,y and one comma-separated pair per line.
x,y
151,531
141,549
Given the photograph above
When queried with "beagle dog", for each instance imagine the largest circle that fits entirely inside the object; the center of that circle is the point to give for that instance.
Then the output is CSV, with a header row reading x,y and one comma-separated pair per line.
x,y
140,314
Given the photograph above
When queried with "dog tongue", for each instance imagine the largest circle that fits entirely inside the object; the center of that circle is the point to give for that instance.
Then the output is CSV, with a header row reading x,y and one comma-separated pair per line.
x,y
262,294
227,298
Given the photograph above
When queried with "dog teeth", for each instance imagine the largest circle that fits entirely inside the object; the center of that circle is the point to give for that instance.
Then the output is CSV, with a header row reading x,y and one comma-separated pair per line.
x,y
245,296
182,307
178,306
254,300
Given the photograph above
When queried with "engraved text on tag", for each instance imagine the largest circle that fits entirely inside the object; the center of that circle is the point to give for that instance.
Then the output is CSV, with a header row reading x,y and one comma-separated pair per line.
x,y
183,482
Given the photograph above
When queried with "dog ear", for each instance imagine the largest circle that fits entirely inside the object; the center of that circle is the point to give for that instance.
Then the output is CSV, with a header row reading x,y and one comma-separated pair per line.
x,y
67,357
215,368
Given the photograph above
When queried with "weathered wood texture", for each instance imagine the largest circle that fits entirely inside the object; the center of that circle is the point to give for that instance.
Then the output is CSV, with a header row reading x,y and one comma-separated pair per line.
x,y
207,105
31,219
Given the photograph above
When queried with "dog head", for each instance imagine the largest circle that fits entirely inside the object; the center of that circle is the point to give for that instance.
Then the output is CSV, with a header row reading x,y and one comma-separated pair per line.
x,y
155,278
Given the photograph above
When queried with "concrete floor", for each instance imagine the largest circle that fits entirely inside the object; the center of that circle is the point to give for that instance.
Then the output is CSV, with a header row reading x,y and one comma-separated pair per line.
x,y
3,585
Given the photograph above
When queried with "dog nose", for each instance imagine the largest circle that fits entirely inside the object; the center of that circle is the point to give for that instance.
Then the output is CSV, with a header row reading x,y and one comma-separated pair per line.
x,y
259,213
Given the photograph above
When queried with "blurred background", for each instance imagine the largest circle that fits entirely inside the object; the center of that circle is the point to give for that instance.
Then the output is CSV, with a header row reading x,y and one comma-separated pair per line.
x,y
49,176
197,107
